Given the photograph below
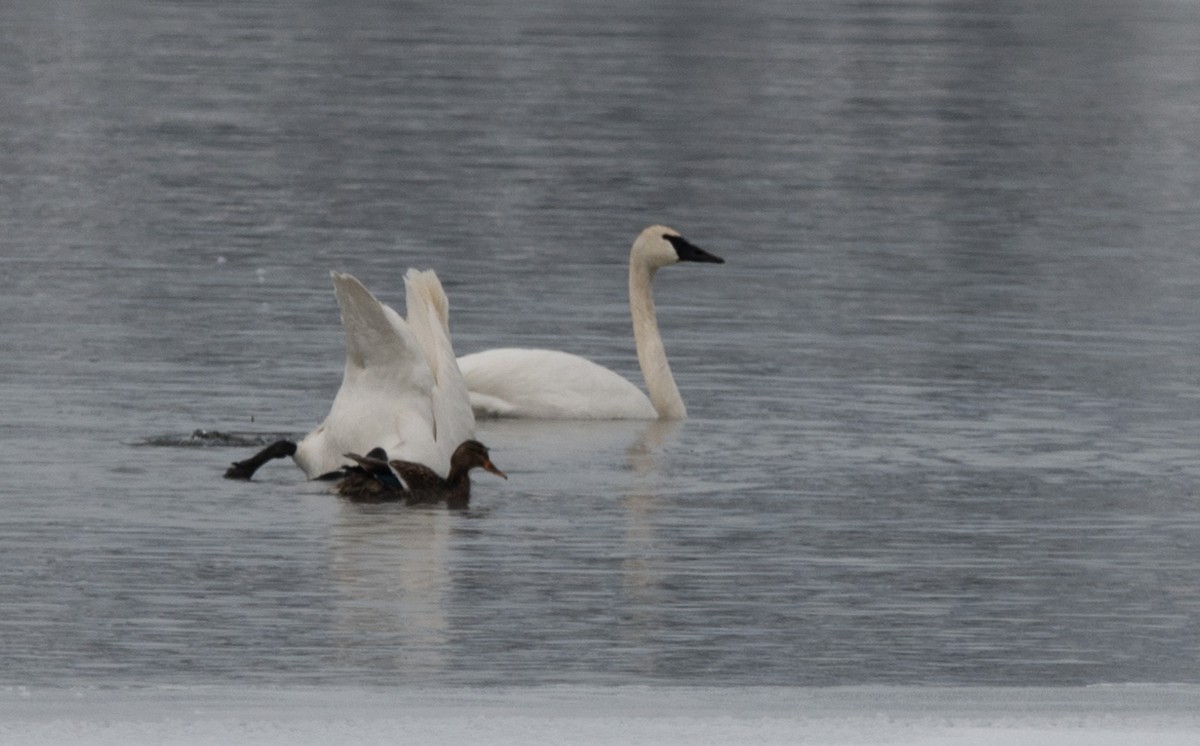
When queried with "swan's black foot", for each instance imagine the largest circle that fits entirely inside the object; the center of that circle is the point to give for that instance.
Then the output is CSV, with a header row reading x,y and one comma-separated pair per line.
x,y
241,470
245,469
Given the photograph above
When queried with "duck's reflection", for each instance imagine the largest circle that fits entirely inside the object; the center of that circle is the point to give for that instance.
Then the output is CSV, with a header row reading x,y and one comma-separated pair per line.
x,y
388,563
391,564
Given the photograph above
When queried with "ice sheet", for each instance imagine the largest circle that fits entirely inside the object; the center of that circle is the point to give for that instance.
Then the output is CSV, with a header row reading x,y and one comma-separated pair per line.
x,y
573,715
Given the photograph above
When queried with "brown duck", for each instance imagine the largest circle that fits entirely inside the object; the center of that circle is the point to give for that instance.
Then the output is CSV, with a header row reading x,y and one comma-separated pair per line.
x,y
375,479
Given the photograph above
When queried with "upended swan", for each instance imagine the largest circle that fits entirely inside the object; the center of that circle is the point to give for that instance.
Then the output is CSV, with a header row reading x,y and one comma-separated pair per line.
x,y
374,478
550,384
401,389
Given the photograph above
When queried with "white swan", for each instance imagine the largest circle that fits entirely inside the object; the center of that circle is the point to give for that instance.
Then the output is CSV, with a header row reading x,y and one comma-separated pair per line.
x,y
549,384
401,389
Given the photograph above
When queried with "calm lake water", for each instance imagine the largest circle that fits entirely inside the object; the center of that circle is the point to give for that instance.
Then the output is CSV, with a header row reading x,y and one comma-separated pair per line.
x,y
945,394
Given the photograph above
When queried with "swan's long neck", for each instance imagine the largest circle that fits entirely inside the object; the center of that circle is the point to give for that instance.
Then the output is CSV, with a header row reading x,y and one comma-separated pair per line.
x,y
652,356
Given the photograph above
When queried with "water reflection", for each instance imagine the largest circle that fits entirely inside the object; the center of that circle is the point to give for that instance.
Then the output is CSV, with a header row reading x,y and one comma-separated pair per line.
x,y
643,570
644,452
389,572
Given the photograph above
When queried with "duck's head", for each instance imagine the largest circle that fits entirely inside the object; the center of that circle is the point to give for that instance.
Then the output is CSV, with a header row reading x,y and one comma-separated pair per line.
x,y
659,246
472,454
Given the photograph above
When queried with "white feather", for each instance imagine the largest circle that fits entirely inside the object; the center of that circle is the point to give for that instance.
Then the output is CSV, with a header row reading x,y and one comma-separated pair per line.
x,y
401,389
550,384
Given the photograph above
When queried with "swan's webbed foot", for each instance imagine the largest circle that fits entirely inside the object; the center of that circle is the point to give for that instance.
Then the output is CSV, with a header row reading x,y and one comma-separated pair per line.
x,y
245,469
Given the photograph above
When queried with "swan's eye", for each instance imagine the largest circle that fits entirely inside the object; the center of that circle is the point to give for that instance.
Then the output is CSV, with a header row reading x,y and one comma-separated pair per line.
x,y
679,243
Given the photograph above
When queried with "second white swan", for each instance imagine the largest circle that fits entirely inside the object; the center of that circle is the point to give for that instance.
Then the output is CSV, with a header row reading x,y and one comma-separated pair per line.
x,y
550,384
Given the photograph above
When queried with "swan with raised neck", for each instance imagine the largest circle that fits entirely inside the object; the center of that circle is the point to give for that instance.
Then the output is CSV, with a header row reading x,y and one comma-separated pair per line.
x,y
551,384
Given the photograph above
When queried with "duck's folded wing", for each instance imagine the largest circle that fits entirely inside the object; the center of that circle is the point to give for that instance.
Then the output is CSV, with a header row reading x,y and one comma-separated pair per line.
x,y
368,464
418,477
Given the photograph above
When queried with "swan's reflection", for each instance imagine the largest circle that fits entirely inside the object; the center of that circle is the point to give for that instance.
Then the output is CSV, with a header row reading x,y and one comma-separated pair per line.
x,y
644,452
643,569
388,563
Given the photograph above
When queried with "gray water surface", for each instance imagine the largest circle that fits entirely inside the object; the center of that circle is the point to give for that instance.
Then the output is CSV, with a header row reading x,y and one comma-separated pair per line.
x,y
944,395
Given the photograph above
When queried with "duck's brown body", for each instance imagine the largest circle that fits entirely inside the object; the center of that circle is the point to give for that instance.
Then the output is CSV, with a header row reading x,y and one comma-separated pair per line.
x,y
375,479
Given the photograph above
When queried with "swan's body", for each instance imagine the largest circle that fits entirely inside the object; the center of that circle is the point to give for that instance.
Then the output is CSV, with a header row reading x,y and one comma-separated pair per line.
x,y
401,389
549,384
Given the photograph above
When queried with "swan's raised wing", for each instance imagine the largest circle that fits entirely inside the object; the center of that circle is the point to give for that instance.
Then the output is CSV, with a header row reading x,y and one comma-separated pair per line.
x,y
386,395
429,320
378,341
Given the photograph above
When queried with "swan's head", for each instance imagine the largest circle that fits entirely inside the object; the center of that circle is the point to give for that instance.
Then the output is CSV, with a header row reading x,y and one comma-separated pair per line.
x,y
472,454
659,246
